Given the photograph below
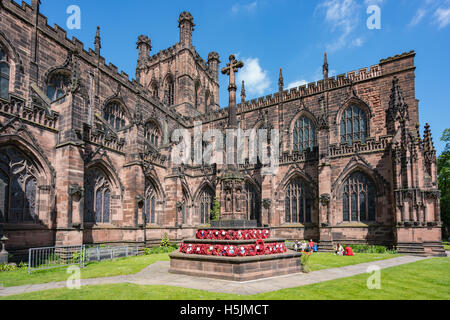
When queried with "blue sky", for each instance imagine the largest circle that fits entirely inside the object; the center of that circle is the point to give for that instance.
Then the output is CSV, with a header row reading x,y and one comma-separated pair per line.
x,y
288,34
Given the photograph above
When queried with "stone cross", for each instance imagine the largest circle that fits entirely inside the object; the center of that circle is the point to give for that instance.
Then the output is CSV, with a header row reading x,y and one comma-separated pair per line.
x,y
231,69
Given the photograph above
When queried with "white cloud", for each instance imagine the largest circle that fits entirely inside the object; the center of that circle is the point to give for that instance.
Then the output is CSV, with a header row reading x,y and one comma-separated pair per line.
x,y
443,17
256,79
251,7
420,14
358,42
343,17
372,2
297,84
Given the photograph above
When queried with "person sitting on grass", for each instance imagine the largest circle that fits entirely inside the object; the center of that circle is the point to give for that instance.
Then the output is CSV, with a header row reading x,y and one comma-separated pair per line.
x,y
339,250
348,251
311,244
304,246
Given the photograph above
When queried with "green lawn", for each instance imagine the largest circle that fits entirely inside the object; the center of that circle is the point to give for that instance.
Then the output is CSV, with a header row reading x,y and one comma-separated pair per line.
x,y
93,270
428,279
320,261
446,245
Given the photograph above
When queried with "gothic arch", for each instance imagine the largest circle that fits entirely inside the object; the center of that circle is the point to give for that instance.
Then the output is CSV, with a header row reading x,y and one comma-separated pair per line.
x,y
358,102
353,167
15,61
119,100
109,172
32,150
205,184
303,113
297,172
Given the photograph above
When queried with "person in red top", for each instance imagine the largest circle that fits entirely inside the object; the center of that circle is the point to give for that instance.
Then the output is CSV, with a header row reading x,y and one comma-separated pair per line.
x,y
311,244
348,251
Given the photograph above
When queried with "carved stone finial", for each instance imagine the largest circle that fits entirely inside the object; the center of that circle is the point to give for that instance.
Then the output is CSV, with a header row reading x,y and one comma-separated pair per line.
x,y
97,42
243,93
281,81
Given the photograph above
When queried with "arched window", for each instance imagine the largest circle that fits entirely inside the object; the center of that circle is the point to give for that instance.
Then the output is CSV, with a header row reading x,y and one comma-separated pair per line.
x,y
206,205
196,95
58,85
170,91
4,75
152,133
97,204
358,199
17,187
253,205
150,203
113,114
353,125
304,134
154,89
298,202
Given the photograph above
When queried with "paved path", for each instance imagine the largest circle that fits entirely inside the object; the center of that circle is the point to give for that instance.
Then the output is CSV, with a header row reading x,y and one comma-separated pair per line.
x,y
157,274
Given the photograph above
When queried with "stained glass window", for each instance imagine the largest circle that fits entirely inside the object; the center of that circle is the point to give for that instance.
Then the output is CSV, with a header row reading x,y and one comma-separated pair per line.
x,y
253,202
170,87
298,203
304,135
152,133
58,85
206,205
17,187
150,203
114,115
4,75
359,198
353,125
97,203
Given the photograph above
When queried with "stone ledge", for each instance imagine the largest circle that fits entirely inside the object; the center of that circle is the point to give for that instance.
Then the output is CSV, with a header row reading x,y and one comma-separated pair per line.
x,y
234,260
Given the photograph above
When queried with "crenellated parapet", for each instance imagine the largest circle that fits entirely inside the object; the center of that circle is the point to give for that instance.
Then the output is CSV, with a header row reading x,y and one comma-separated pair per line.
x,y
33,113
370,145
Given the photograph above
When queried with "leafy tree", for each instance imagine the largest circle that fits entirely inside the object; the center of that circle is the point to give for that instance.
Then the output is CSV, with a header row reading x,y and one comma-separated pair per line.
x,y
215,212
444,183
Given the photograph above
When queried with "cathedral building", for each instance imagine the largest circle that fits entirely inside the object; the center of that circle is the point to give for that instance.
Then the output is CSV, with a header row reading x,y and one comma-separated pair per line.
x,y
86,154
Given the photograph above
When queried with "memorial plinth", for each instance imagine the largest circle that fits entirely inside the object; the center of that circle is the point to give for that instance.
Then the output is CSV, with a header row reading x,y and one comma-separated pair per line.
x,y
235,254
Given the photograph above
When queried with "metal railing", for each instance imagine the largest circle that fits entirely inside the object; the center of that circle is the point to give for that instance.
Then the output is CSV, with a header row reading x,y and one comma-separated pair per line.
x,y
59,257
99,253
55,257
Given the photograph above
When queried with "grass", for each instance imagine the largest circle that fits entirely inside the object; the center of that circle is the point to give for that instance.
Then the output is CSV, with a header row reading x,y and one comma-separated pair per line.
x,y
113,268
427,279
446,245
320,261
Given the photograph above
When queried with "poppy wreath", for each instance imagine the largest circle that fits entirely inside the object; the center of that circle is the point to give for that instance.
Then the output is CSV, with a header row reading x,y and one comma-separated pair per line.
x,y
251,250
239,235
217,250
190,249
215,234
232,251
209,250
260,247
242,251
223,235
266,234
202,234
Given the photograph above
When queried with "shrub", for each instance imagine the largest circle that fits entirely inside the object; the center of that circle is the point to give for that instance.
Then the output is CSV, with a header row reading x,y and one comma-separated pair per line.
x,y
215,212
13,267
364,248
158,250
306,263
165,241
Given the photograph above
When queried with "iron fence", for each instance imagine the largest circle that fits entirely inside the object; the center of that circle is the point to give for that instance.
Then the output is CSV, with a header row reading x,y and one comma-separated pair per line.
x,y
99,253
55,257
58,257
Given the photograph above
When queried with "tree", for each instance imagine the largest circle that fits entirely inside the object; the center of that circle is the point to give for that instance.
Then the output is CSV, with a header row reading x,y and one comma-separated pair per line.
x,y
444,183
215,212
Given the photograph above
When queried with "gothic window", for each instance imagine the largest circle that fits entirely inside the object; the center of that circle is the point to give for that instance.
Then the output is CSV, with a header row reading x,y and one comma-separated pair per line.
x,y
58,85
113,114
154,90
4,75
353,125
206,205
152,133
358,198
97,197
298,202
183,208
304,134
196,95
253,205
170,87
150,204
17,187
